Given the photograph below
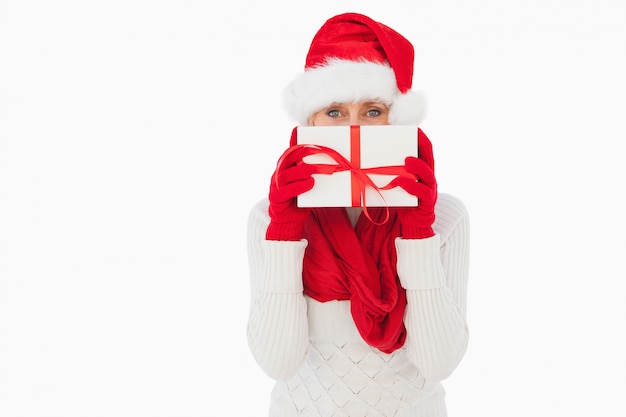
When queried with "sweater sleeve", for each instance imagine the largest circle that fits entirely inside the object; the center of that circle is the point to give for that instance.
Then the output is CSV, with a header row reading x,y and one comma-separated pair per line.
x,y
434,271
277,324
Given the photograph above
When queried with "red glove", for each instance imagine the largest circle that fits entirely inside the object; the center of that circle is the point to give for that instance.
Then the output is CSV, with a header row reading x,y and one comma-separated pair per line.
x,y
417,222
289,181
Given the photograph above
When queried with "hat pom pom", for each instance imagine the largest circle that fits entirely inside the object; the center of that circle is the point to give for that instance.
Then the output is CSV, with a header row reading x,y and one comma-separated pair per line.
x,y
408,109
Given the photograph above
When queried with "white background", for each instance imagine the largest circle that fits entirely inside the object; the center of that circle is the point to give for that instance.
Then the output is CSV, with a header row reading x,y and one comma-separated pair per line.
x,y
136,135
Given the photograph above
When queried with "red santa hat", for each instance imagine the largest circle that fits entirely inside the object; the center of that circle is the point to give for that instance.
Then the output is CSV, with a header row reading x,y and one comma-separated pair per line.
x,y
354,58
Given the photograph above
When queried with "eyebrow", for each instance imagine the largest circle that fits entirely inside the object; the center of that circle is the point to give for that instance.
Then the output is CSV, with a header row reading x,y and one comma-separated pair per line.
x,y
375,103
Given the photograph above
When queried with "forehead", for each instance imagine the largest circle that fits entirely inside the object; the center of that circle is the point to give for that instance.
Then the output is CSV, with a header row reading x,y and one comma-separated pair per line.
x,y
363,103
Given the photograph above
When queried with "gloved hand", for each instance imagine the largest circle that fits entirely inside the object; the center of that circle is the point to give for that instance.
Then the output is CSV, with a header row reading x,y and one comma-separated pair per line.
x,y
290,179
417,222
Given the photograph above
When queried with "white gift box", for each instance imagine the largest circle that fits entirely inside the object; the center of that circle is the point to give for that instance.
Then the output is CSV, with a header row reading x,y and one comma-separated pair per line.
x,y
364,148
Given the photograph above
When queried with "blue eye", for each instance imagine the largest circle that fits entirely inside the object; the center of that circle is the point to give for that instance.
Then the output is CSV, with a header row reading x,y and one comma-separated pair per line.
x,y
333,113
373,112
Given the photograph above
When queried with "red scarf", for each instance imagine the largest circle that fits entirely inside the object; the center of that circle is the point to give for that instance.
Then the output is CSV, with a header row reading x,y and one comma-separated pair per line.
x,y
358,264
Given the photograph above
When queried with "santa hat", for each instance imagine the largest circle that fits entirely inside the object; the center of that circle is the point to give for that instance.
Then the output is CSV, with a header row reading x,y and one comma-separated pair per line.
x,y
354,58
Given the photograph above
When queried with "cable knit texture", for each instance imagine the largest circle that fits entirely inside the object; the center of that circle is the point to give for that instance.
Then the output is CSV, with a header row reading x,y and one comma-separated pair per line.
x,y
322,366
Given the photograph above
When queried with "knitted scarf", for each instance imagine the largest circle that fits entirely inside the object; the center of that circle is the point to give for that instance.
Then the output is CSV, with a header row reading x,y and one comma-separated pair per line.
x,y
358,264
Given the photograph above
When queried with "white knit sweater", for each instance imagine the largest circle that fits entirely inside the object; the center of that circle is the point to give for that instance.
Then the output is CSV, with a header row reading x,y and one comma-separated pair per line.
x,y
322,366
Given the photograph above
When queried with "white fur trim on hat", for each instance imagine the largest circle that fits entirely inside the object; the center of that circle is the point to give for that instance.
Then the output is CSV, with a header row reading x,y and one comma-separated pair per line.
x,y
408,109
342,81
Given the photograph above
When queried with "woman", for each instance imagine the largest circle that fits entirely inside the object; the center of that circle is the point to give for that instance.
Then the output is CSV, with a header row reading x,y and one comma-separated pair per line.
x,y
351,315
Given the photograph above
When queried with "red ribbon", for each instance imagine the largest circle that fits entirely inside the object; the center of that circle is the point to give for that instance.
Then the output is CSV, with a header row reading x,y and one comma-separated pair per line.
x,y
358,188
359,176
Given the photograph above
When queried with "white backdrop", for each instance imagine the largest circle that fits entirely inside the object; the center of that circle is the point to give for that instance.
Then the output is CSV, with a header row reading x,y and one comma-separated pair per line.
x,y
136,135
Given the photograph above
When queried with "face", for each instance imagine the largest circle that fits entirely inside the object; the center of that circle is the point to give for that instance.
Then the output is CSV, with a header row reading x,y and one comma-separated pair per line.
x,y
363,113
